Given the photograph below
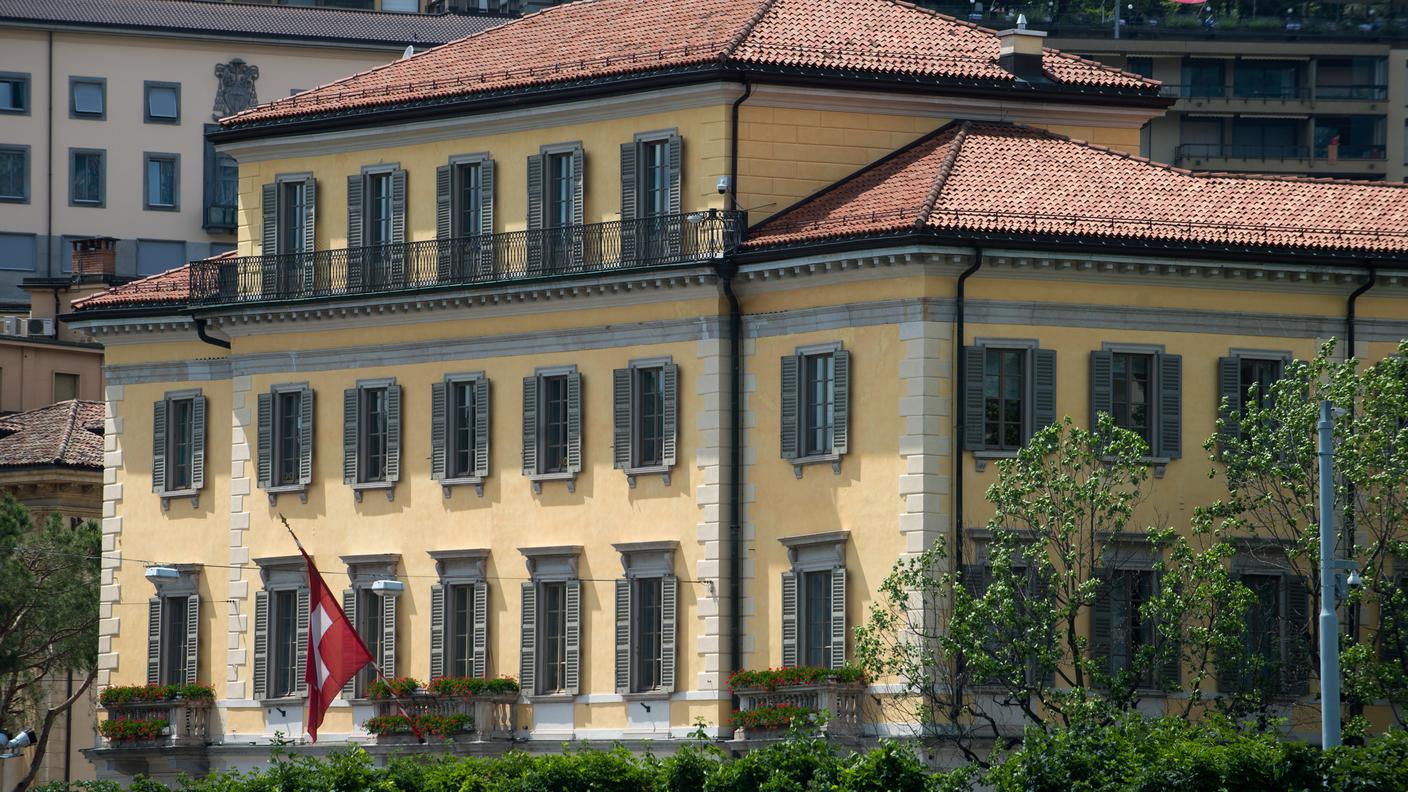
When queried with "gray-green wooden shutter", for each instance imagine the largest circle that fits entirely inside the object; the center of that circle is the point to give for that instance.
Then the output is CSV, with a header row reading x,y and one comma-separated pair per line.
x,y
789,619
1230,668
621,381
393,432
159,413
481,427
530,426
154,641
789,407
1170,652
351,430
398,228
578,207
574,421
838,617
572,637
671,408
1170,406
349,608
1102,385
1296,636
437,631
197,442
674,157
974,377
669,628
265,453
356,239
310,216
1229,391
192,658
444,230
260,682
630,156
1043,388
535,212
486,217
388,634
439,395
300,652
623,635
269,226
1102,620
841,402
480,634
305,437
528,640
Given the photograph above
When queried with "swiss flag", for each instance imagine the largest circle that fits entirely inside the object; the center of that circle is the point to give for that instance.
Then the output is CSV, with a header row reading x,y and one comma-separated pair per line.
x,y
335,651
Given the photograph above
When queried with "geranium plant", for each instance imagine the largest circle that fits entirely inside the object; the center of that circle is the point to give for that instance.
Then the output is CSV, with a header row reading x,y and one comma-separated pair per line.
x,y
429,725
774,678
780,716
142,694
392,688
132,729
473,686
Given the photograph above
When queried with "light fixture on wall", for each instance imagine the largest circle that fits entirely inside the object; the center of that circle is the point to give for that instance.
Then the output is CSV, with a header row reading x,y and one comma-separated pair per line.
x,y
388,586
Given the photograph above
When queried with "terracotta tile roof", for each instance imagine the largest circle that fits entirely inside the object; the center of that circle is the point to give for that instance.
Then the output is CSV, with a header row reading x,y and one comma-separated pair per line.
x,y
69,433
249,20
1003,179
172,286
593,39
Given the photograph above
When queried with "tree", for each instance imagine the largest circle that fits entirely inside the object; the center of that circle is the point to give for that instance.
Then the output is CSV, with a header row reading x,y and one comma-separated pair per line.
x,y
48,618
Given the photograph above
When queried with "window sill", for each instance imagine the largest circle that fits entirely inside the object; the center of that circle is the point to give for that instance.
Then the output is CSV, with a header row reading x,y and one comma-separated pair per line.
x,y
816,459
1159,464
647,695
569,476
448,484
550,698
283,489
283,701
632,472
167,495
982,458
360,487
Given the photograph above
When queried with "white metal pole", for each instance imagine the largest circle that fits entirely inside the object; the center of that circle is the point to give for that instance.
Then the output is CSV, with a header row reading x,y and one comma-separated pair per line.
x,y
1329,622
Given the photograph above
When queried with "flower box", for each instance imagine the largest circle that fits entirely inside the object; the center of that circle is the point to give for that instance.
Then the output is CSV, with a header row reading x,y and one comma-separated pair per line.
x,y
833,696
454,709
163,724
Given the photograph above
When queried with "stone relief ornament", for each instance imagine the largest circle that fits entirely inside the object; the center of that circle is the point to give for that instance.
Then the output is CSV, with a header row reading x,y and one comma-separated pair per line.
x,y
234,88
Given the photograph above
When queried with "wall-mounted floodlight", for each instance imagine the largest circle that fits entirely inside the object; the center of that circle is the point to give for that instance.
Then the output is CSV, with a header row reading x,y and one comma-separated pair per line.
x,y
162,573
389,586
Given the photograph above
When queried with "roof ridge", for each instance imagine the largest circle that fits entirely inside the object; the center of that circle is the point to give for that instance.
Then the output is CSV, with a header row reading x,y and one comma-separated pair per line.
x,y
747,30
1102,66
941,178
67,434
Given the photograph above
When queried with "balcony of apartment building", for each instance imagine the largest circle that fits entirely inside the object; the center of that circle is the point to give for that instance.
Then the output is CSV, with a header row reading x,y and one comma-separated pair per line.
x,y
1276,85
1350,146
657,242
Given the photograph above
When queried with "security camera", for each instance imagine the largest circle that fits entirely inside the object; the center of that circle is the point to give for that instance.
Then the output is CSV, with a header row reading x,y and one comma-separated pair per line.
x,y
12,745
1354,580
722,185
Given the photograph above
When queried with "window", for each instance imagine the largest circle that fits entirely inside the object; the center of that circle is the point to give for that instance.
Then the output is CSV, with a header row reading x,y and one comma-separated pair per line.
x,y
460,636
1204,77
1277,638
1142,66
285,453
464,200
371,605
1009,394
814,601
286,677
650,196
459,614
552,424
161,187
815,403
560,193
469,208
87,97
87,177
173,629
223,190
552,658
178,444
554,442
1004,391
550,643
1132,374
65,386
1238,374
14,174
378,224
14,93
293,212
159,255
162,102
816,618
372,434
459,429
281,610
19,252
173,641
1261,374
645,395
1267,79
646,617
288,445
370,626
646,627
555,206
1141,388
1119,631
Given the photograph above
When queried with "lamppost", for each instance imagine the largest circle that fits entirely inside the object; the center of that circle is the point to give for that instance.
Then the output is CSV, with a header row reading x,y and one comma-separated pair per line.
x,y
1330,584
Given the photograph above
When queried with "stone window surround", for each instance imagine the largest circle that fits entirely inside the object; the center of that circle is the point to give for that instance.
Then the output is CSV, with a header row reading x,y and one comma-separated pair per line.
x,y
1027,345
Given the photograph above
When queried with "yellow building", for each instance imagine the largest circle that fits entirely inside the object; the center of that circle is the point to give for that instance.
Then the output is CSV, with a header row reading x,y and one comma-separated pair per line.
x,y
614,349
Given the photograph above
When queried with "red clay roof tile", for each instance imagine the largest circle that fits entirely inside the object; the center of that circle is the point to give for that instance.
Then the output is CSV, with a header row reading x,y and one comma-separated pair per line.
x,y
69,433
172,286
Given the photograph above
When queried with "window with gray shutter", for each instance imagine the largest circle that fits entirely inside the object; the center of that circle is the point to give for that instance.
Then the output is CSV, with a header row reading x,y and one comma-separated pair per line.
x,y
789,619
814,602
438,624
372,436
1009,393
389,602
644,417
1140,387
178,445
191,666
285,439
623,635
459,428
552,426
261,646
815,405
1246,379
154,614
646,619
528,638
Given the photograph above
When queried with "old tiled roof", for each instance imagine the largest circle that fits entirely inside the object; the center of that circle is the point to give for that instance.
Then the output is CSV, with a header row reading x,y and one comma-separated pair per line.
x,y
69,434
248,20
593,39
170,287
1000,179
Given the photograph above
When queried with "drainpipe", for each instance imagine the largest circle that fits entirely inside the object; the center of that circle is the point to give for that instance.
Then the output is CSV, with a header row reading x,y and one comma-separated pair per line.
x,y
206,337
960,388
733,145
1349,309
727,270
1347,537
49,166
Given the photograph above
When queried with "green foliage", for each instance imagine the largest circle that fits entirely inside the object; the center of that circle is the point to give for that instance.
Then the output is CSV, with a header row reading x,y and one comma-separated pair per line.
x,y
774,678
138,694
391,688
127,729
429,725
778,716
472,686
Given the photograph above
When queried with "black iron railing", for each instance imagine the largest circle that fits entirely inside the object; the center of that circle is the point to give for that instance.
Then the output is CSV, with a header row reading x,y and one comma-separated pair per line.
x,y
1344,151
488,258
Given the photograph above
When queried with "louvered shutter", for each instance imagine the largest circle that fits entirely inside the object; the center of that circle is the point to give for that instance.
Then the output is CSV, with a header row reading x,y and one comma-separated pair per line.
x,y
621,381
574,422
674,154
159,411
974,377
300,652
351,430
1229,391
1102,385
356,239
838,617
305,437
264,465
535,212
398,228
1102,621
349,607
393,432
486,218
530,426
789,619
269,228
388,634
1043,388
669,629
630,157
578,207
623,635
438,624
192,653
481,427
671,407
1229,673
789,407
572,638
480,635
528,640
261,645
154,641
439,394
1170,653
1296,636
1170,406
444,231
197,442
841,402
310,216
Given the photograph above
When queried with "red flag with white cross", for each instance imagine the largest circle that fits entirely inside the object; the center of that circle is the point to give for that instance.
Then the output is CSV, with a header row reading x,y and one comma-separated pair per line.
x,y
335,651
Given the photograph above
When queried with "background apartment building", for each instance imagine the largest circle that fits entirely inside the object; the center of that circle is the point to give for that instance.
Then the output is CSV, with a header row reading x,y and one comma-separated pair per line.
x,y
104,109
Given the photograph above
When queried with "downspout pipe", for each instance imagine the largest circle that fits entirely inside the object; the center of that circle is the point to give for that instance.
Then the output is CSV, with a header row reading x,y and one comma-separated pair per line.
x,y
207,337
733,145
1348,531
1349,310
960,410
727,269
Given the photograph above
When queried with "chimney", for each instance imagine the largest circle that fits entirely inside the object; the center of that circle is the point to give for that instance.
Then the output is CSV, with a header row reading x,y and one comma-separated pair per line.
x,y
1019,51
94,259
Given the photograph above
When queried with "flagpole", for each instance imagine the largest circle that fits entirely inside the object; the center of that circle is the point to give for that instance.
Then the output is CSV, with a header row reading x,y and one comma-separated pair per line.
x,y
390,689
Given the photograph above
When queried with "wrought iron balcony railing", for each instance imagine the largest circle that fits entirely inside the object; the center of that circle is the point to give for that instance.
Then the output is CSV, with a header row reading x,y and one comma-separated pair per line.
x,y
644,243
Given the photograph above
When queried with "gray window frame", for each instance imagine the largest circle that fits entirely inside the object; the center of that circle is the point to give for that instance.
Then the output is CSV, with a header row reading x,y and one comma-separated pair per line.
x,y
820,552
363,571
34,263
288,574
1154,398
473,380
276,457
364,387
73,155
197,447
1028,347
553,565
73,111
655,562
668,422
797,457
54,383
460,569
458,165
167,663
147,117
148,157
24,151
569,472
28,81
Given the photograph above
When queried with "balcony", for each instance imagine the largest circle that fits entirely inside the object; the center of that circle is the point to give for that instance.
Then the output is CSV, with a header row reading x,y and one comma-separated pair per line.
x,y
1348,158
173,723
487,259
842,703
457,718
